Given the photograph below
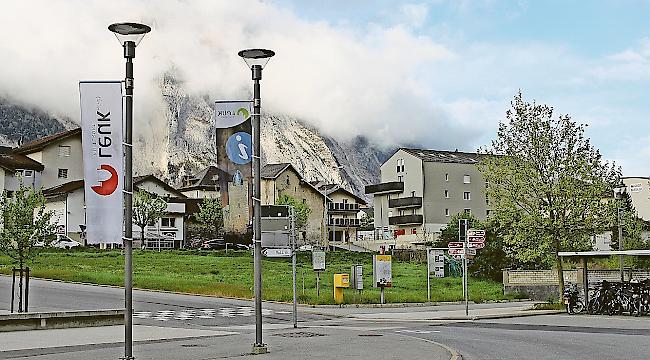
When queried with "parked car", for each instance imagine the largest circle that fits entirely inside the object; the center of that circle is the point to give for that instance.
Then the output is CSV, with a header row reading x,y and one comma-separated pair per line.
x,y
213,244
64,242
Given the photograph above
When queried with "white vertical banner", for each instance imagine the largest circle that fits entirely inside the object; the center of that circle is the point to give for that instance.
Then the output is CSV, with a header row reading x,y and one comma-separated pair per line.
x,y
101,137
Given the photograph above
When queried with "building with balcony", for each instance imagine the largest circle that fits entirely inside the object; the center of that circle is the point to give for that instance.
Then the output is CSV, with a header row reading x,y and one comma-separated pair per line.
x,y
341,212
421,189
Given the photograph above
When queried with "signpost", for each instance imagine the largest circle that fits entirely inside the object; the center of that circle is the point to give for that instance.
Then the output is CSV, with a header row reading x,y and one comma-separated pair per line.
x,y
436,266
318,264
276,253
469,240
382,273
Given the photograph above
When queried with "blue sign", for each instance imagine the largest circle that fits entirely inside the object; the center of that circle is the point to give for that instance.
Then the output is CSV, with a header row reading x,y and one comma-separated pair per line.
x,y
239,148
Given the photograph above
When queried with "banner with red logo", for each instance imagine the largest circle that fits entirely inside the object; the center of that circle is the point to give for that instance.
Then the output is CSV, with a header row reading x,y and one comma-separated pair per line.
x,y
101,137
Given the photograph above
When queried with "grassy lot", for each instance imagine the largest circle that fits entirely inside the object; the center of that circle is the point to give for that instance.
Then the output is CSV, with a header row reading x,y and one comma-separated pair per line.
x,y
217,273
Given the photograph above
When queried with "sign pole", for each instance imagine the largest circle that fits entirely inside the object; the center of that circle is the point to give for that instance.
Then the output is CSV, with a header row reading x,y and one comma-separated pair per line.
x,y
462,237
317,283
428,276
293,265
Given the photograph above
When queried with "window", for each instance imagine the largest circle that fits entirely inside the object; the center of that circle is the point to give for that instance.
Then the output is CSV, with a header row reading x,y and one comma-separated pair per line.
x,y
446,194
400,178
63,173
28,173
413,193
446,177
414,231
401,213
466,179
288,182
466,195
19,173
64,150
467,211
487,200
446,212
168,222
400,165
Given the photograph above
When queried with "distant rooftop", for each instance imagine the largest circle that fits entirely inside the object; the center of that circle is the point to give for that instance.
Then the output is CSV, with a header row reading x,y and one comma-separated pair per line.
x,y
40,144
445,156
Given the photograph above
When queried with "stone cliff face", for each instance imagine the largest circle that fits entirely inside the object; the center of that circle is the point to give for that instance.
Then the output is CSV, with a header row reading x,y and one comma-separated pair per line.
x,y
183,142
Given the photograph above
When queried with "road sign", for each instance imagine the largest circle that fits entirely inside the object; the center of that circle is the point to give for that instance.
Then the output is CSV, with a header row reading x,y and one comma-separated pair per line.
x,y
318,260
456,251
276,252
475,233
476,245
470,252
455,245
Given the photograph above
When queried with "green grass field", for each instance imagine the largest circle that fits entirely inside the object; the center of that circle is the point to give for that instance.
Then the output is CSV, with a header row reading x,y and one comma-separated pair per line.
x,y
217,273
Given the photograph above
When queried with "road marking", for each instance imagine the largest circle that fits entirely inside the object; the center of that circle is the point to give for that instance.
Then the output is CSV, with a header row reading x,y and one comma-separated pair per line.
x,y
246,311
283,312
417,331
142,314
185,315
164,315
227,312
207,314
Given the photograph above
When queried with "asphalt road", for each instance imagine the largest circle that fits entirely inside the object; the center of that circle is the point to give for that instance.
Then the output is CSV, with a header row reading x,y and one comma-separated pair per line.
x,y
537,338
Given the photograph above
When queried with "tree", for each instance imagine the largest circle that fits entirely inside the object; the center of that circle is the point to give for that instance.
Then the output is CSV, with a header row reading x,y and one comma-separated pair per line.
x,y
148,208
300,209
210,214
547,184
25,224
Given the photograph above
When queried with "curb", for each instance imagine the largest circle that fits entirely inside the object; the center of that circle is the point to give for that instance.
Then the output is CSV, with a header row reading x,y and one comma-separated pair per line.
x,y
60,319
453,353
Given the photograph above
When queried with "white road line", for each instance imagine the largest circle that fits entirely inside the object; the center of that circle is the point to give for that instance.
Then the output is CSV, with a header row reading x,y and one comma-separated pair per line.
x,y
185,315
246,311
164,315
142,314
206,313
227,312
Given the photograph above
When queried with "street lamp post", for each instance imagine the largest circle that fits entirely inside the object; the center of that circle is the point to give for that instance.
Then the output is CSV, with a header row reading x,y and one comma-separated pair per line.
x,y
618,195
129,36
256,59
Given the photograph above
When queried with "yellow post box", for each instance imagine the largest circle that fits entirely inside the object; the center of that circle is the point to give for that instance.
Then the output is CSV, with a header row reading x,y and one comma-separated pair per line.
x,y
340,281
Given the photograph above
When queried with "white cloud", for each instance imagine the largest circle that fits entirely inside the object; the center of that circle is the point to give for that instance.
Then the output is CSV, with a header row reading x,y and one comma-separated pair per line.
x,y
415,14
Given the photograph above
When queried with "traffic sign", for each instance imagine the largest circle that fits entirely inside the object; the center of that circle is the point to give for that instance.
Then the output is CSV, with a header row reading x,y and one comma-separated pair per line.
x,y
456,251
476,245
276,252
455,245
475,233
470,251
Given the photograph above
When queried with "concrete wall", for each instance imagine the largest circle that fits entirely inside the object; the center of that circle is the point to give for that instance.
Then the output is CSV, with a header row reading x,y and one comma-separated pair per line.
x,y
639,190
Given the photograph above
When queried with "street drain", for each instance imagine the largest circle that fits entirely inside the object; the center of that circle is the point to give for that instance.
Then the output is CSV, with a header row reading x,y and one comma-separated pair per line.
x,y
300,334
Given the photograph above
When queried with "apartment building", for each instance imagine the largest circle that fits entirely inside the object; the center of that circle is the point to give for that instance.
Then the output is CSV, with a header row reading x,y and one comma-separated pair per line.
x,y
16,169
420,190
639,190
341,212
60,154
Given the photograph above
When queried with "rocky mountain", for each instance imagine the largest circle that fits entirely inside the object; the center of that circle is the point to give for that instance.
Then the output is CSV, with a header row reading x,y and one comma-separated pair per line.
x,y
181,141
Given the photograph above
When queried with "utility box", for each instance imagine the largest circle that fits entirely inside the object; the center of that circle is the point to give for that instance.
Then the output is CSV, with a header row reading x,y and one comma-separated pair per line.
x,y
341,281
356,277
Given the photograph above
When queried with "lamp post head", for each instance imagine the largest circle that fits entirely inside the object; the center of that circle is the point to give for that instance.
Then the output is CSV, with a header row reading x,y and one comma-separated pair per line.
x,y
256,57
129,32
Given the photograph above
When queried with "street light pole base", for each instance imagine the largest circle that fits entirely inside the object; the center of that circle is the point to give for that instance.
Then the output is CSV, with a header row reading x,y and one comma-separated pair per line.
x,y
259,349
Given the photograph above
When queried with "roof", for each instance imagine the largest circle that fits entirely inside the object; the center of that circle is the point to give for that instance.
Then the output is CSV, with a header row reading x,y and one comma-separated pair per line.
x,y
207,179
272,171
140,179
11,160
40,144
328,189
444,156
63,188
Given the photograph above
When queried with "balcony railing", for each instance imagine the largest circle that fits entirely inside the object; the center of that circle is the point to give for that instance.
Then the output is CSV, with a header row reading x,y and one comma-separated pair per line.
x,y
407,202
343,207
385,188
343,222
405,220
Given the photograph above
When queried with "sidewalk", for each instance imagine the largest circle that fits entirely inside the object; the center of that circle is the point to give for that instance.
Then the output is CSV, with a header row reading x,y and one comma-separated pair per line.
x,y
314,342
435,312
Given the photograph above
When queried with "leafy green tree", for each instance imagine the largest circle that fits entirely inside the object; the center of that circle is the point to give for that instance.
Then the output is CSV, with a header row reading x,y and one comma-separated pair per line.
x,y
367,222
632,227
301,209
210,215
148,208
25,225
547,185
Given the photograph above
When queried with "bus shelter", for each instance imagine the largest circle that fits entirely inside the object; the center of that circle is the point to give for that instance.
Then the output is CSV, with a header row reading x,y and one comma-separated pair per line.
x,y
586,255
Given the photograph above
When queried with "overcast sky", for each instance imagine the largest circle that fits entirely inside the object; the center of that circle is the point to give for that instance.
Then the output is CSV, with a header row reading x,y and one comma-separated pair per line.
x,y
438,73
